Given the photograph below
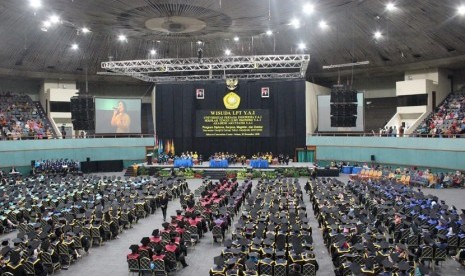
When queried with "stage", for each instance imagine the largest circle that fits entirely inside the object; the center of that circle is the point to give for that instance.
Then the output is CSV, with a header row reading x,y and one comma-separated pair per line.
x,y
237,166
294,169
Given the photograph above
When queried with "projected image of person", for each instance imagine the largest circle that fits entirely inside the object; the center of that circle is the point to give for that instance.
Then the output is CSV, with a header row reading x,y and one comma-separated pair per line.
x,y
121,120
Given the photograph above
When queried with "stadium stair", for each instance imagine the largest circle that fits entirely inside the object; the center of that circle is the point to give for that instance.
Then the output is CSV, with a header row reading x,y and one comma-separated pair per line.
x,y
44,117
215,174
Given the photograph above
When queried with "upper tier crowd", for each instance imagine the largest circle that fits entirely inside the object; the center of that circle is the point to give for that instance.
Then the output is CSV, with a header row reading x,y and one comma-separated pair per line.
x,y
20,119
448,120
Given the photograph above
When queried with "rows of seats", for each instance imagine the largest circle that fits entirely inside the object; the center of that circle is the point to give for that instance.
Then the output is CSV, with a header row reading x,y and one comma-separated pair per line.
x,y
20,119
448,119
58,219
272,236
161,252
382,226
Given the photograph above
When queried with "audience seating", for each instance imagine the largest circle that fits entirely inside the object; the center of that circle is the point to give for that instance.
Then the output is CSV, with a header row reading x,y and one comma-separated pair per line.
x,y
448,119
21,119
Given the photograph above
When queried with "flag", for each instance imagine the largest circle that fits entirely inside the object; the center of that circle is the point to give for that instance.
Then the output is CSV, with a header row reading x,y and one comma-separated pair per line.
x,y
160,146
172,148
155,147
167,146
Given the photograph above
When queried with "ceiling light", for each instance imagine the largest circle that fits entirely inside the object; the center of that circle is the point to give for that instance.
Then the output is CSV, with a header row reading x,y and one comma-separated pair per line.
x,y
301,46
308,8
122,38
269,32
199,42
378,35
323,24
461,10
227,52
295,23
46,24
85,30
35,3
236,38
390,6
74,46
54,19
153,52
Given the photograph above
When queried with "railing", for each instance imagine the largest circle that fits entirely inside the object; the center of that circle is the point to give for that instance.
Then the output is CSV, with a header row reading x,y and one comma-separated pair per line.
x,y
332,134
371,134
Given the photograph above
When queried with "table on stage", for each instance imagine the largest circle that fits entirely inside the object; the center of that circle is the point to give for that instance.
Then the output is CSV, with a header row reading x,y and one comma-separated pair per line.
x,y
347,169
218,163
356,170
259,163
186,163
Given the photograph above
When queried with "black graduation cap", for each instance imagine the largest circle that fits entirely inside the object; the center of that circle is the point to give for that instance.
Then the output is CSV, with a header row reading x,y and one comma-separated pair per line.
x,y
134,247
401,246
16,241
442,237
356,269
280,253
253,254
5,250
5,242
369,264
15,256
386,263
235,251
156,232
178,212
384,245
228,243
218,261
34,244
231,261
359,247
250,265
403,266
165,224
145,240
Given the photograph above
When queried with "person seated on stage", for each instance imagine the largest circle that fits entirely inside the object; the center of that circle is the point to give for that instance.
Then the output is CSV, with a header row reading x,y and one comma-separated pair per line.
x,y
173,247
134,255
286,159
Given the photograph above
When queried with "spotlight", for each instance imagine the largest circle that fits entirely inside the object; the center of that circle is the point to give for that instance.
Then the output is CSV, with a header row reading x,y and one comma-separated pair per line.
x,y
301,46
269,32
390,6
199,42
308,8
35,3
122,38
54,19
295,23
227,52
461,10
378,35
85,30
323,24
236,38
153,52
74,46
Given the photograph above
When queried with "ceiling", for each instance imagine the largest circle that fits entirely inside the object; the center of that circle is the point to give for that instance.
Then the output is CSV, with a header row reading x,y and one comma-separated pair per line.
x,y
418,34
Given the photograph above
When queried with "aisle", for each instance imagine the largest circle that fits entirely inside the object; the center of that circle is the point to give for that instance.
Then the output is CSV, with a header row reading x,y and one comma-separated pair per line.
x,y
321,253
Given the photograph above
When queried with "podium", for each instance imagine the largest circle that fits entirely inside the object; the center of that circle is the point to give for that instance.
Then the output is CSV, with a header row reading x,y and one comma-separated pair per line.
x,y
149,158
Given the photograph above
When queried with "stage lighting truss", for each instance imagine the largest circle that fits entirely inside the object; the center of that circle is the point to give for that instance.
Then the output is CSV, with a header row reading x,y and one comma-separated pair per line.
x,y
191,69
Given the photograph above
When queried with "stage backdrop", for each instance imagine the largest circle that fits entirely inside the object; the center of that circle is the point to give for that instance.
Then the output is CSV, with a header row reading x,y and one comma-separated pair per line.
x,y
281,107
